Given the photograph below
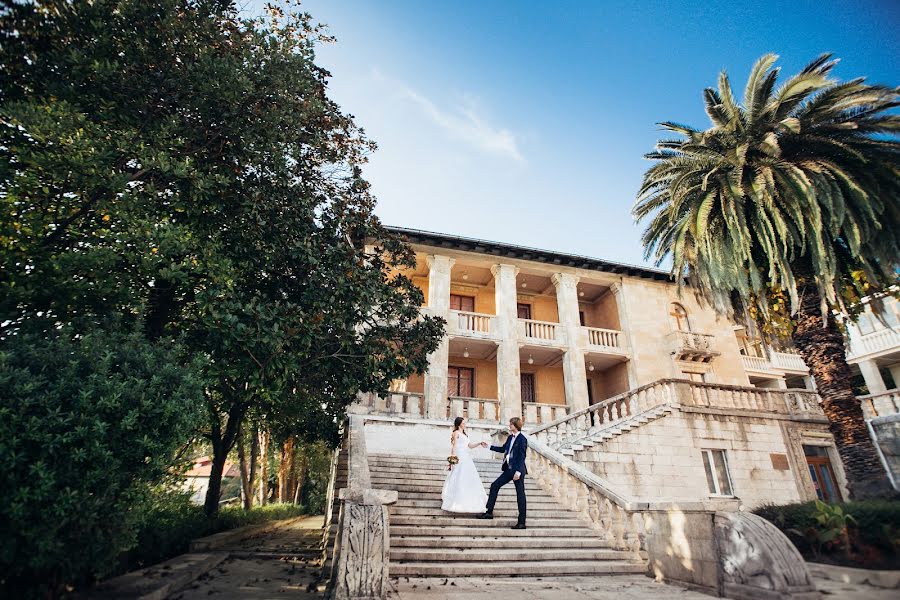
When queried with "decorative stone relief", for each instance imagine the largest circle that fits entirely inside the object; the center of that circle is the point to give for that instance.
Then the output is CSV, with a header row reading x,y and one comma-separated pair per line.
x,y
364,548
758,562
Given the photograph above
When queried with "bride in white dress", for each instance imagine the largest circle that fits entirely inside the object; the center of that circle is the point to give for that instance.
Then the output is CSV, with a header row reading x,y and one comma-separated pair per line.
x,y
463,491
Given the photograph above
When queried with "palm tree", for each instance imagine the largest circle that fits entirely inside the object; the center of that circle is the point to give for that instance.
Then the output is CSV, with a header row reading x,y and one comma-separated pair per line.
x,y
794,193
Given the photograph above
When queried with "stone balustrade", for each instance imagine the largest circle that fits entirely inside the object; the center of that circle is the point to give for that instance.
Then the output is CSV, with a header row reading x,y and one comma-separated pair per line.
x,y
540,331
709,545
408,404
692,346
471,323
604,338
799,403
538,413
884,339
756,363
474,409
788,361
881,405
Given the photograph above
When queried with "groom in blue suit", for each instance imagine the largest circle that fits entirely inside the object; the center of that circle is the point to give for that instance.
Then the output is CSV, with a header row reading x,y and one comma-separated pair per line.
x,y
514,470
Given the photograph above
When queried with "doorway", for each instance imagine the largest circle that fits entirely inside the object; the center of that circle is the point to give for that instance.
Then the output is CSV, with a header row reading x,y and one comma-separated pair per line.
x,y
822,473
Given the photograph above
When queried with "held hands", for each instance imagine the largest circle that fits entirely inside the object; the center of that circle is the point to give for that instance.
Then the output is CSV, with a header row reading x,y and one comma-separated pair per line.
x,y
484,444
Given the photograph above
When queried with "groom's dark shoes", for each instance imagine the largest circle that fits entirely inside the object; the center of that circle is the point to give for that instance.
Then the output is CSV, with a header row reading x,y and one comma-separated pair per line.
x,y
519,526
486,515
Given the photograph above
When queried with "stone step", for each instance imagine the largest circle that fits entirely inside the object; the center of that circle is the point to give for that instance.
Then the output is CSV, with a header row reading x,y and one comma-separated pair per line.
x,y
527,554
486,541
499,510
502,500
436,479
500,520
495,529
518,568
405,490
506,493
489,470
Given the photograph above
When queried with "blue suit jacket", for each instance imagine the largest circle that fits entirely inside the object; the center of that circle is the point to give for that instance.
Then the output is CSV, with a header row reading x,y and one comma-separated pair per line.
x,y
517,457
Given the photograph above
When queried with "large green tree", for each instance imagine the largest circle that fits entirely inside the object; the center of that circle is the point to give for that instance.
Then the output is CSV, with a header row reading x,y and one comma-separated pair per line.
x,y
788,199
175,170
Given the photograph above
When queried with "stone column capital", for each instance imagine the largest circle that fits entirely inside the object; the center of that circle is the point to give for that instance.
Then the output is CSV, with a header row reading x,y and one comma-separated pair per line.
x,y
496,269
564,280
616,288
439,259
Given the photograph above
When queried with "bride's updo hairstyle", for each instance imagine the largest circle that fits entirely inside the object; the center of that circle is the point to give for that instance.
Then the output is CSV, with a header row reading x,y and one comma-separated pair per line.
x,y
456,423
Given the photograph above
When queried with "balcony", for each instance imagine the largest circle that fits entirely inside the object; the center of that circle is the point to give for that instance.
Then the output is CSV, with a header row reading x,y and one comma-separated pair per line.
x,y
880,405
473,409
757,364
605,340
692,347
471,324
542,333
789,361
877,342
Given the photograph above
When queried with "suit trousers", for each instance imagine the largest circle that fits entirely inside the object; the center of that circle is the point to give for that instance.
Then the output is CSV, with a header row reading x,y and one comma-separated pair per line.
x,y
505,478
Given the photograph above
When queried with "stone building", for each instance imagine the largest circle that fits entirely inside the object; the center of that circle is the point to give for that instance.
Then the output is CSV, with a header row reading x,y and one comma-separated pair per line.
x,y
653,426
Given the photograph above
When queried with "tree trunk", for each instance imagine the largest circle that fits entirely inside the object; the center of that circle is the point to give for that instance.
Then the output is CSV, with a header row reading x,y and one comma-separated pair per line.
x,y
300,477
222,442
254,459
263,468
285,468
246,477
822,346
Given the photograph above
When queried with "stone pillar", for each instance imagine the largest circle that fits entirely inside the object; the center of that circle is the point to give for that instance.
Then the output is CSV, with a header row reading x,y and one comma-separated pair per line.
x,y
573,360
872,376
895,373
810,382
781,384
509,384
438,305
619,295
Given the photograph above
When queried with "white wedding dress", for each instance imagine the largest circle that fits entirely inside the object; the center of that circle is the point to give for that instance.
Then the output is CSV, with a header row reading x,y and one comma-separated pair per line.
x,y
463,491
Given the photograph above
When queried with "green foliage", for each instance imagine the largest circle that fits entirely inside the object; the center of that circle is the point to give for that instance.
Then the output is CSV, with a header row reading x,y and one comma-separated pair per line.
x,y
86,425
863,533
168,522
798,181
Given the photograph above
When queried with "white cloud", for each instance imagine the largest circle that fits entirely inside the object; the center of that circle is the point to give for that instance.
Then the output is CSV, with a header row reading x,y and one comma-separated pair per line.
x,y
462,121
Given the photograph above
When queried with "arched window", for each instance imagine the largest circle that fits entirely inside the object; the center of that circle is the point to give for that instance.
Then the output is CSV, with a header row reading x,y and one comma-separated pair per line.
x,y
679,317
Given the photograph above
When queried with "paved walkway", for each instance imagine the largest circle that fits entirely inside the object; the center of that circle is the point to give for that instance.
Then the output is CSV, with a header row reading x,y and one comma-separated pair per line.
x,y
269,565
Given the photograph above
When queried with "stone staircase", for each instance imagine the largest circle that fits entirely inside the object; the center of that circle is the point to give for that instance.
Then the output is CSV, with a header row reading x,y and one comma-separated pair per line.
x,y
427,542
615,429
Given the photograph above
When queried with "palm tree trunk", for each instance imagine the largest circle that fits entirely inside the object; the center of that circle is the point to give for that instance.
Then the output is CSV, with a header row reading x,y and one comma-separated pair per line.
x,y
821,344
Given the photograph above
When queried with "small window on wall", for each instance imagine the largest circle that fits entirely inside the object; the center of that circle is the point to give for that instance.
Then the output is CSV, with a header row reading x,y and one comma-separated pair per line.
x,y
717,477
679,317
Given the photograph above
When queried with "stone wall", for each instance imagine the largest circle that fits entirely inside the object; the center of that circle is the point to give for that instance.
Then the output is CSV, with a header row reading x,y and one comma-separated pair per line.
x,y
420,438
887,436
662,460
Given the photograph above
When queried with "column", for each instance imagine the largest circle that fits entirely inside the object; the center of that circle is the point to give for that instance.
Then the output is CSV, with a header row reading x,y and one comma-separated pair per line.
x,y
781,384
872,376
509,384
573,361
438,305
619,294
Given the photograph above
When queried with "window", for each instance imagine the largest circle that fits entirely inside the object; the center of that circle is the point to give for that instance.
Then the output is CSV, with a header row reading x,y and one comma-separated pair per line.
x,y
528,394
523,310
464,303
461,382
717,476
581,317
821,473
679,318
698,377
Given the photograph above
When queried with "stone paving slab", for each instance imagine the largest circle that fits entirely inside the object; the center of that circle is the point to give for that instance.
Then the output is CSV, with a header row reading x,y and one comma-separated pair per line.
x,y
617,587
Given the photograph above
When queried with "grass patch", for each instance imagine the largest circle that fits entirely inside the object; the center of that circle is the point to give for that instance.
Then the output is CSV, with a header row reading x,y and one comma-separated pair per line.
x,y
171,521
869,539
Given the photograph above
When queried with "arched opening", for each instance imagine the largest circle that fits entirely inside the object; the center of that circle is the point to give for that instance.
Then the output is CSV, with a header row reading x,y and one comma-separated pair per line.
x,y
679,317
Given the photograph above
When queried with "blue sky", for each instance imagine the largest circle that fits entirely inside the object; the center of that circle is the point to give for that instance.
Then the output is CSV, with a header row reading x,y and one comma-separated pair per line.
x,y
526,122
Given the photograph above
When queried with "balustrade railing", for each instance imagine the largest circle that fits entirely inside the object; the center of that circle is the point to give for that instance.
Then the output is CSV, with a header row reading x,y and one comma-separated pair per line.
x,y
789,361
609,338
474,409
756,363
539,330
610,412
471,322
884,339
880,405
689,340
538,413
394,403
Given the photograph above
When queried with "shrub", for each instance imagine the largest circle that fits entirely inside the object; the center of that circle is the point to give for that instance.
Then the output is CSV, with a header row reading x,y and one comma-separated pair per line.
x,y
873,531
86,426
170,521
